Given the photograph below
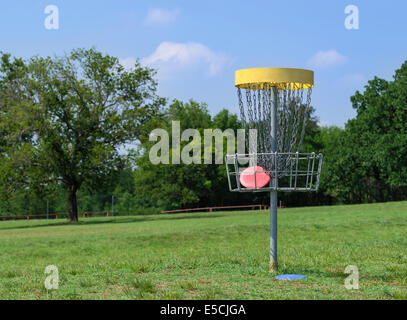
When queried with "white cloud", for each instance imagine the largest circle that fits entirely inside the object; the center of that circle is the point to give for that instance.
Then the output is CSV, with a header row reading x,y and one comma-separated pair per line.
x,y
128,63
326,59
161,16
173,57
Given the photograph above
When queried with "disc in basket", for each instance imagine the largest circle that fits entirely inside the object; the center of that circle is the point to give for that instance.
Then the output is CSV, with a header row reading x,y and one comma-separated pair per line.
x,y
248,180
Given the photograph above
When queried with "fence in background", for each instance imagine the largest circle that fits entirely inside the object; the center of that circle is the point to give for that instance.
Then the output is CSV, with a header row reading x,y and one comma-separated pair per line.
x,y
53,215
210,209
88,214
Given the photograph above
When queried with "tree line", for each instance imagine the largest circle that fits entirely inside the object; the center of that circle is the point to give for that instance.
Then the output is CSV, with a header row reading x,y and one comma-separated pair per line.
x,y
75,135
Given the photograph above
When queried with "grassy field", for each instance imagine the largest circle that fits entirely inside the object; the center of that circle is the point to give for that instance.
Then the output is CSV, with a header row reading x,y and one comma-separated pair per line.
x,y
219,255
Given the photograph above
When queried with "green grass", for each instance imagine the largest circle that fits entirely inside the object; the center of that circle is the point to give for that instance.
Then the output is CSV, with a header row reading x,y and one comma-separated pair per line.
x,y
218,255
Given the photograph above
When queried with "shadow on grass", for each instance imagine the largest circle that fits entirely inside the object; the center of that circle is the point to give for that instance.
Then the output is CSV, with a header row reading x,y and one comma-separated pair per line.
x,y
130,219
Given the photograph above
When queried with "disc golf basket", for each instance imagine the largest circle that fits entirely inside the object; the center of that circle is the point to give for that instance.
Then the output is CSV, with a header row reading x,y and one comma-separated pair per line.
x,y
274,108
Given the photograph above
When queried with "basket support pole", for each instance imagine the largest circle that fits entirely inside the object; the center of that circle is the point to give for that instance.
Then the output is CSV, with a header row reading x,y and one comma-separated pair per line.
x,y
273,265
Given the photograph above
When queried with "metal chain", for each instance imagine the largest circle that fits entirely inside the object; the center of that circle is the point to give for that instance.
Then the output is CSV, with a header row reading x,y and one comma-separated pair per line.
x,y
292,116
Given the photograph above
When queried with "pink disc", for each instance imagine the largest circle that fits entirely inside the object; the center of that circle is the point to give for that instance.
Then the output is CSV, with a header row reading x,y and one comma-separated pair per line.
x,y
248,181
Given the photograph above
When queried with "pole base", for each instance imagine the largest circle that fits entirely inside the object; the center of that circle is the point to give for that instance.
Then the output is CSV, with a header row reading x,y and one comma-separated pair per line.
x,y
273,266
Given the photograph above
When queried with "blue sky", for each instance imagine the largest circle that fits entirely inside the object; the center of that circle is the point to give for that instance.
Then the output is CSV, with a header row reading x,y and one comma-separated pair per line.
x,y
197,45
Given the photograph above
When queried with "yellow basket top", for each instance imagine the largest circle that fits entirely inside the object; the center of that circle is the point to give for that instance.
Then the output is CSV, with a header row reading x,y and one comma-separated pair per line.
x,y
283,78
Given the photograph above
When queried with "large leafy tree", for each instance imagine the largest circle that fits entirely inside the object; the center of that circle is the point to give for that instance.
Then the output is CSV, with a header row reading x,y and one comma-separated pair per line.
x,y
64,119
174,186
171,186
382,117
371,162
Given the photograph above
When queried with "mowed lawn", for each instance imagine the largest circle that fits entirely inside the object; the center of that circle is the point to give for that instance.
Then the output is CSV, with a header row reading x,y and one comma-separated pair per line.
x,y
218,255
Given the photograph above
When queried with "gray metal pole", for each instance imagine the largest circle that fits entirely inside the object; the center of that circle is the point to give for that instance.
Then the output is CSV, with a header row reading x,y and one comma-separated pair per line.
x,y
47,209
112,205
273,195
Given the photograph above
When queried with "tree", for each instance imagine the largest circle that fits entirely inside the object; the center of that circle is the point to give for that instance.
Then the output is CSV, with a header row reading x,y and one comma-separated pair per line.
x,y
381,122
65,119
174,186
371,154
329,192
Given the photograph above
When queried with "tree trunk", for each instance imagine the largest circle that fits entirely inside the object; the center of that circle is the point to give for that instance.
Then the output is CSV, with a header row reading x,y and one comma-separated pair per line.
x,y
72,205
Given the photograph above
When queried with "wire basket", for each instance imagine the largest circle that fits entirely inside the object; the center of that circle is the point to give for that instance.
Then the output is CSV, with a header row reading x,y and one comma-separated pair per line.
x,y
286,171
